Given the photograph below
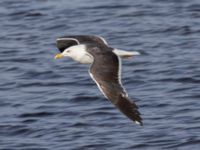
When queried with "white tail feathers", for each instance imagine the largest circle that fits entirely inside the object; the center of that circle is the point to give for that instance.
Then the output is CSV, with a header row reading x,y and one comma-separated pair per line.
x,y
125,54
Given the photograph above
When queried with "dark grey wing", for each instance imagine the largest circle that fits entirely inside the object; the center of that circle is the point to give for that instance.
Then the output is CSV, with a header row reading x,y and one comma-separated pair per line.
x,y
65,42
105,71
88,39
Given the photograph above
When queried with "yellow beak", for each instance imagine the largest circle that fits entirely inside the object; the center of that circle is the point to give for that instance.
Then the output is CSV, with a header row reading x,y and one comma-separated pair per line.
x,y
58,56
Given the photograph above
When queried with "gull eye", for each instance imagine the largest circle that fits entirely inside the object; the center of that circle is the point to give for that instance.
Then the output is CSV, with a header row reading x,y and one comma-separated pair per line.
x,y
69,51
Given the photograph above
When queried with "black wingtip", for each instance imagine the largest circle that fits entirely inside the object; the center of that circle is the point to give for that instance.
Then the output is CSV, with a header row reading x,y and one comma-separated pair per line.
x,y
130,109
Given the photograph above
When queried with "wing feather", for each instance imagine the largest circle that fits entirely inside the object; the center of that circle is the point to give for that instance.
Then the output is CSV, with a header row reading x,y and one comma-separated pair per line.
x,y
105,72
71,40
65,42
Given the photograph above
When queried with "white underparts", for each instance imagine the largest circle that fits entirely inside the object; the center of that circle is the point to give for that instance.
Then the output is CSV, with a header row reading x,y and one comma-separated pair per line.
x,y
125,54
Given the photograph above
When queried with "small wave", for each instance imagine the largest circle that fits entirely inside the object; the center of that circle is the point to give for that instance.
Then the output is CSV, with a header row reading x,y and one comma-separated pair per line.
x,y
36,114
19,60
99,113
194,8
187,80
94,146
26,14
44,84
84,98
174,30
29,121
185,144
34,14
181,80
15,130
79,124
108,7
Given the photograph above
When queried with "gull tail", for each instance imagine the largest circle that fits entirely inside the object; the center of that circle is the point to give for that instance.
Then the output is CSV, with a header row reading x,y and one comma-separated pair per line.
x,y
125,54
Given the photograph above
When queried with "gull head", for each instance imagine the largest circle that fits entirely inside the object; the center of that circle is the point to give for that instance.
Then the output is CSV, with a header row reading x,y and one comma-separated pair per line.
x,y
77,53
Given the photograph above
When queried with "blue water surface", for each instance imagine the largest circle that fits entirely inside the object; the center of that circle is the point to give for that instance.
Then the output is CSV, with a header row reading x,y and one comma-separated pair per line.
x,y
48,104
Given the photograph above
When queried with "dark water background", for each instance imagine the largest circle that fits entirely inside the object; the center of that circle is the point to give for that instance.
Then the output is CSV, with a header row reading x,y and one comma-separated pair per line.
x,y
48,104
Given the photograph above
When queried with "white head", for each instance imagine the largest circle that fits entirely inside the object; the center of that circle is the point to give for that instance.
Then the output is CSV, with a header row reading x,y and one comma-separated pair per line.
x,y
77,53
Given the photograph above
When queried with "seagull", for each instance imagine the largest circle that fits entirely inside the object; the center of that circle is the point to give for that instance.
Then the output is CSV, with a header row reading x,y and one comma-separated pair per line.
x,y
105,68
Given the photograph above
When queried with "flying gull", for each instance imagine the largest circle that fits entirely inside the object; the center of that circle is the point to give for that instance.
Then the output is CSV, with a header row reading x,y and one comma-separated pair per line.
x,y
105,68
